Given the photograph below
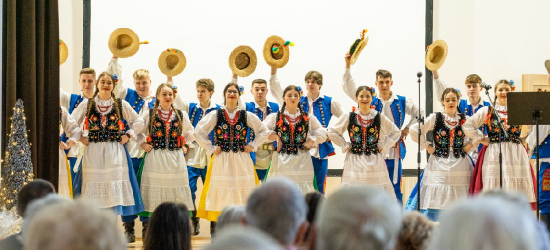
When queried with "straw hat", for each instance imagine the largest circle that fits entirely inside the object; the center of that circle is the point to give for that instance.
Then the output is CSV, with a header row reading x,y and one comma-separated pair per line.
x,y
547,65
436,54
276,52
63,52
357,47
123,43
172,62
243,61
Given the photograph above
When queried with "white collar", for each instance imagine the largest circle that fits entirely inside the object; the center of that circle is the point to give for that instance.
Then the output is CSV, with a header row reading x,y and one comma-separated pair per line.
x,y
391,99
480,104
370,116
212,105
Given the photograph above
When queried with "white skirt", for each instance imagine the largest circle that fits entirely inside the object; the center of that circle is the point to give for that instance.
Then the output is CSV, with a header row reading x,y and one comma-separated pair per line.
x,y
363,170
197,157
63,182
165,179
232,180
516,169
298,168
105,177
445,180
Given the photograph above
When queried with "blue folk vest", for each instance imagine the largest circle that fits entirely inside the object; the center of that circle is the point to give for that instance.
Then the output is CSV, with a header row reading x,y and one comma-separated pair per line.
x,y
196,114
321,110
397,108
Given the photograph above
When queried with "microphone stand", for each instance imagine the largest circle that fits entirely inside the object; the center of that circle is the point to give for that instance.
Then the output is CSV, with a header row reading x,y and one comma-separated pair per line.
x,y
501,126
420,121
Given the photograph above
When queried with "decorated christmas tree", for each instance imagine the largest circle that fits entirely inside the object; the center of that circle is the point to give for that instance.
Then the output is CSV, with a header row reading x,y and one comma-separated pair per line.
x,y
17,165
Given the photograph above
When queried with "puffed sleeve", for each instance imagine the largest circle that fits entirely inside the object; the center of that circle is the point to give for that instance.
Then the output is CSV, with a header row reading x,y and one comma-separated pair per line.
x,y
261,132
64,98
141,137
187,129
411,109
203,129
317,132
270,122
389,133
135,122
70,126
428,125
80,112
472,124
337,130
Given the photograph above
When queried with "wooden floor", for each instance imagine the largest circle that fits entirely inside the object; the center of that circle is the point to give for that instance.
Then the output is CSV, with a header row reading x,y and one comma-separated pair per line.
x,y
203,239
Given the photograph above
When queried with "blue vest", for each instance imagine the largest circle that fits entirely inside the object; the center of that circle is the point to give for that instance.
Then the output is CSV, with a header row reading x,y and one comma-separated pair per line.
x,y
251,107
195,115
397,109
136,102
468,109
544,147
321,110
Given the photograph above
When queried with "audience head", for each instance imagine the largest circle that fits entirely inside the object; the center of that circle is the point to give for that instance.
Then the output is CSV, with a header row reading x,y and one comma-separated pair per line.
x,y
358,218
278,208
74,225
230,215
487,222
36,189
237,237
169,228
416,232
313,201
35,207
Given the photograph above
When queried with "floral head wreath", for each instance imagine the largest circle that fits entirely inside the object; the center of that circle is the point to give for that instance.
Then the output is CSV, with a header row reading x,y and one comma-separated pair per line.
x,y
241,90
459,93
513,86
300,91
373,90
115,78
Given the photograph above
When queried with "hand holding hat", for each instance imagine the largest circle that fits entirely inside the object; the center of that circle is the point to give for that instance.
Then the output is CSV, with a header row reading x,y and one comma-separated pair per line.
x,y
436,54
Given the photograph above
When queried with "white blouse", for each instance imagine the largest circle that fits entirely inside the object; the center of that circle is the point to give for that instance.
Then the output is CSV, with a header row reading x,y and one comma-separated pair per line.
x,y
317,132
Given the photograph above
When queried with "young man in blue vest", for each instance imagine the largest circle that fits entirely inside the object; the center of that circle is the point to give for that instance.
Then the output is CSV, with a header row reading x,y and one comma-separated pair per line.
x,y
87,80
544,159
197,158
141,100
323,107
466,106
262,108
395,107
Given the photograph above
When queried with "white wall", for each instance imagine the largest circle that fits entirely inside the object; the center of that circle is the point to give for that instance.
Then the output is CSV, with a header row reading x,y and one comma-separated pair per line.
x,y
207,31
496,39
70,31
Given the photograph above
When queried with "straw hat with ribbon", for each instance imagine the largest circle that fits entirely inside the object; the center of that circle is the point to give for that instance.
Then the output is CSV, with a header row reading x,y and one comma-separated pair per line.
x,y
358,46
547,65
243,61
436,55
276,52
63,52
123,43
172,62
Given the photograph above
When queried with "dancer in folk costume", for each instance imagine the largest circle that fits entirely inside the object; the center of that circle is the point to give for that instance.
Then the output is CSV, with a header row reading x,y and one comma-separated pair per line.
x,y
394,107
141,99
167,131
467,106
371,134
197,157
446,177
67,125
544,159
262,108
106,171
231,177
87,81
323,108
295,132
516,170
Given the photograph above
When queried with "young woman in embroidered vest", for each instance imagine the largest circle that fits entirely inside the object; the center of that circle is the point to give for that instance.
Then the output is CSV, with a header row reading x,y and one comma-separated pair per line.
x,y
447,175
231,176
295,132
371,133
106,171
516,170
67,126
164,175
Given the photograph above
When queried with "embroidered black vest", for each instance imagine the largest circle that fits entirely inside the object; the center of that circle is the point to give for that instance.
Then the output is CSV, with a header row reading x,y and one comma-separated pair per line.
x,y
159,139
292,136
494,133
364,140
109,133
230,137
444,137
